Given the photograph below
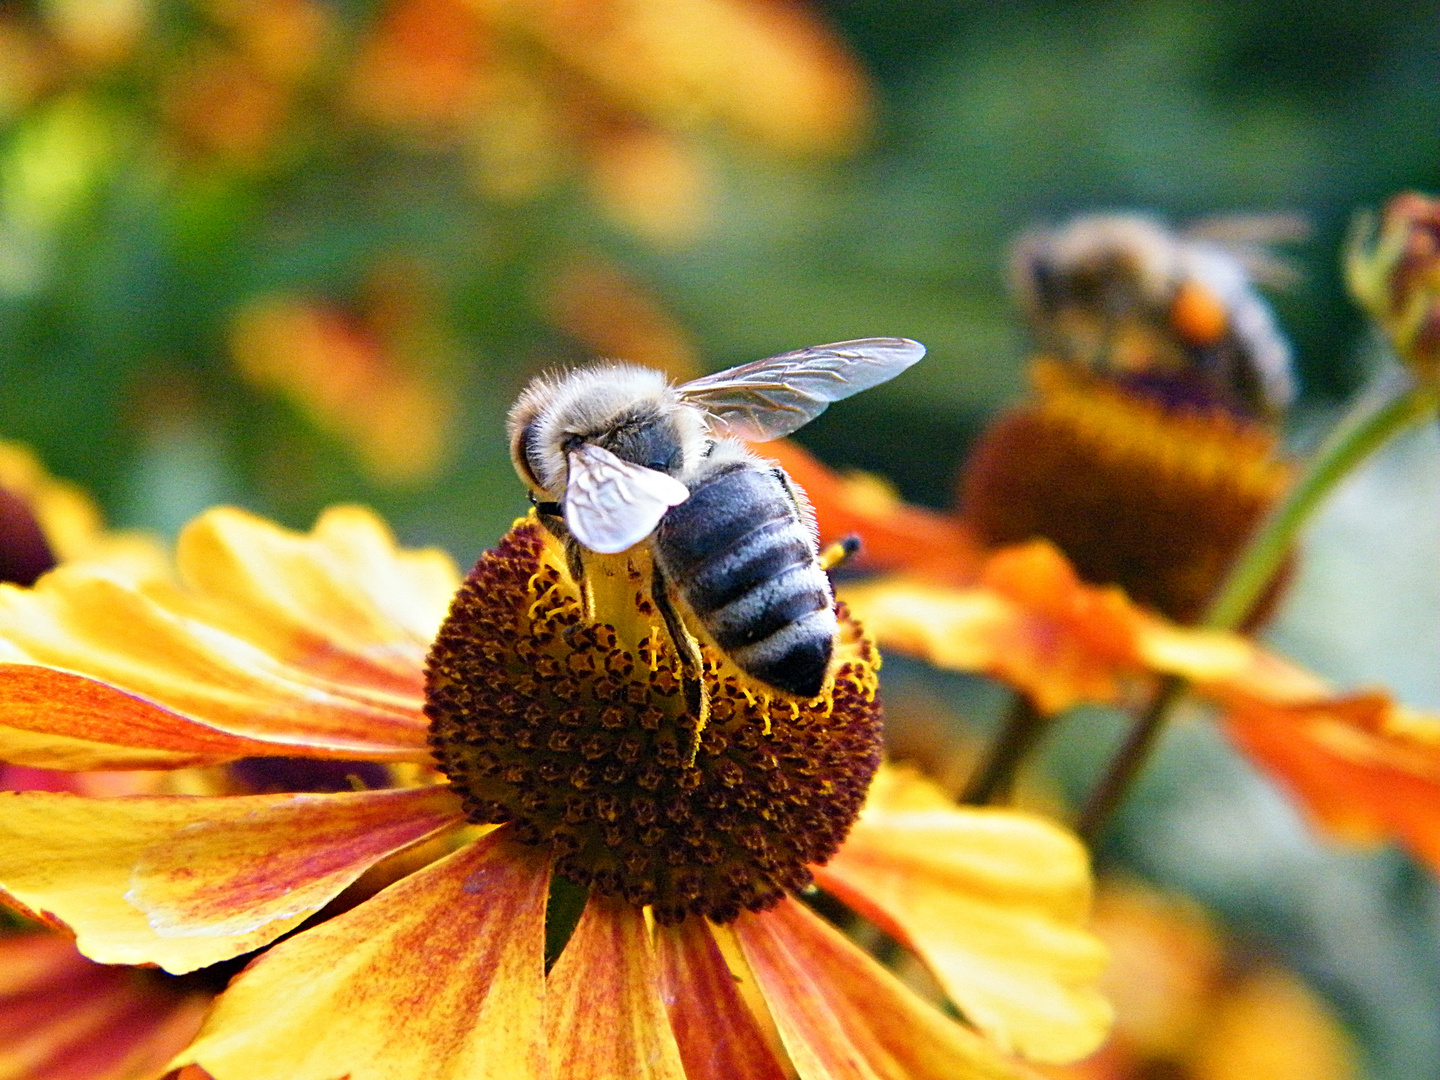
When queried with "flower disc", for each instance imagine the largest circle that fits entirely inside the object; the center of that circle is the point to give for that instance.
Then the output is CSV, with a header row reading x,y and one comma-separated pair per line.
x,y
1137,493
579,733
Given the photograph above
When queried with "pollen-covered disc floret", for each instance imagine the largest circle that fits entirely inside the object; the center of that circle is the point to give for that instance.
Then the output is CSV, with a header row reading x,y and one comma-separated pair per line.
x,y
1157,498
579,733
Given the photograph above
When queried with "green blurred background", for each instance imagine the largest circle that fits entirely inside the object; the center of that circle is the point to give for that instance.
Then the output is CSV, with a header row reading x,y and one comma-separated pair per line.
x,y
285,253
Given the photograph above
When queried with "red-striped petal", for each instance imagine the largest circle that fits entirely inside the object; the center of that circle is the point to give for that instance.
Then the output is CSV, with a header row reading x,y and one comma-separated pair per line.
x,y
718,1035
604,1017
307,645
185,882
844,1017
438,977
63,1017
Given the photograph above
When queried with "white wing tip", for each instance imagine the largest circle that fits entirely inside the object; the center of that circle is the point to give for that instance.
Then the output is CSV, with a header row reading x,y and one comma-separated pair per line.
x,y
910,350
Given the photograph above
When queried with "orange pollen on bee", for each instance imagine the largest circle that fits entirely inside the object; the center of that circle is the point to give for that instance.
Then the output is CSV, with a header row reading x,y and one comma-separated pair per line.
x,y
1198,315
578,733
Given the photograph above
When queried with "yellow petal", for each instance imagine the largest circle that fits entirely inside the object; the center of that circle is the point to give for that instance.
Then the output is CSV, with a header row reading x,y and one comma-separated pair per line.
x,y
844,1017
995,903
219,876
438,977
314,642
604,1018
343,597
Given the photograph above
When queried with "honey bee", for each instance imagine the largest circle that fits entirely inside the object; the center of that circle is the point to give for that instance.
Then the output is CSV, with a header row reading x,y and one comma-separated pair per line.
x,y
614,456
1174,314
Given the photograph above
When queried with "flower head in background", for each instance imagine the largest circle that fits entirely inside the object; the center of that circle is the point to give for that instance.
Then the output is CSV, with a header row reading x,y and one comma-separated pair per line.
x,y
1191,1005
1148,451
45,521
281,646
1394,273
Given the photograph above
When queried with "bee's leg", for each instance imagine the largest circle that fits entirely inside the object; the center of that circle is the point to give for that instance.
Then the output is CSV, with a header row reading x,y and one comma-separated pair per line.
x,y
692,665
839,552
575,563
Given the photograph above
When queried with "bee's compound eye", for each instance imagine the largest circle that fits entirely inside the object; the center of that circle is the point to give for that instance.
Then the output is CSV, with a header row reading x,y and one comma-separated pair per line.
x,y
529,456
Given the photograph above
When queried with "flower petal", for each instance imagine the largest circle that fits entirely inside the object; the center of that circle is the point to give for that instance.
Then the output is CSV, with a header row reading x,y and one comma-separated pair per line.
x,y
844,1017
218,876
1364,768
604,1017
995,903
64,1016
438,977
343,598
313,643
717,1033
894,535
1029,621
56,720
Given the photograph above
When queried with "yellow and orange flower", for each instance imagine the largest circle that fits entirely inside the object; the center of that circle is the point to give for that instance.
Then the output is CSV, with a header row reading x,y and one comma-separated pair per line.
x,y
528,89
274,645
1361,764
1191,1005
45,521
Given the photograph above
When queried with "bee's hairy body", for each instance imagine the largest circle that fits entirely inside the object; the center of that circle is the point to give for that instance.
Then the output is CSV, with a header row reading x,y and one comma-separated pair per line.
x,y
615,456
741,552
1111,292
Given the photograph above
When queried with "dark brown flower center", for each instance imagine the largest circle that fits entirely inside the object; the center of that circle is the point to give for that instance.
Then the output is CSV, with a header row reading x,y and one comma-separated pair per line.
x,y
1157,497
24,552
579,734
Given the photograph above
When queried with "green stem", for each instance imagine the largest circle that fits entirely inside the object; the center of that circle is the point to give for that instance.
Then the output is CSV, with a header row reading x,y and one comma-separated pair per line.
x,y
1128,762
1369,424
993,780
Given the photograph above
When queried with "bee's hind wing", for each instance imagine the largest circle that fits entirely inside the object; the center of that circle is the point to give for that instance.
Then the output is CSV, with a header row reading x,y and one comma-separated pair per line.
x,y
612,504
771,398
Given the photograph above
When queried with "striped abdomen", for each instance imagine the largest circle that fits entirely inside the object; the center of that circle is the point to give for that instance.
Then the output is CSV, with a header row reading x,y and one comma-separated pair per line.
x,y
740,554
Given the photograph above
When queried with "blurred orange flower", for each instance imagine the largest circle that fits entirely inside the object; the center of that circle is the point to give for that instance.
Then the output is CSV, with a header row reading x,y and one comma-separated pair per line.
x,y
1365,765
1189,1006
274,645
624,86
614,316
369,375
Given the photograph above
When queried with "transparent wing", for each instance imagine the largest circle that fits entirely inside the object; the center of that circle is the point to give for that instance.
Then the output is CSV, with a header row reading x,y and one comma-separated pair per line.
x,y
771,398
1250,239
612,504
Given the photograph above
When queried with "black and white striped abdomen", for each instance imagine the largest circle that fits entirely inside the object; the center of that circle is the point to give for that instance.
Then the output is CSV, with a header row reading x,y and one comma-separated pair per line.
x,y
745,561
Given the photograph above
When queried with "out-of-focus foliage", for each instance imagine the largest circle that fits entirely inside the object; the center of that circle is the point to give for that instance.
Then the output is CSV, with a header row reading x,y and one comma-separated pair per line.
x,y
288,251
291,252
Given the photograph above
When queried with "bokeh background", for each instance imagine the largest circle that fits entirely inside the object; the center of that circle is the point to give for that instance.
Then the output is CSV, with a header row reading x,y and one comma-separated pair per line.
x,y
284,253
